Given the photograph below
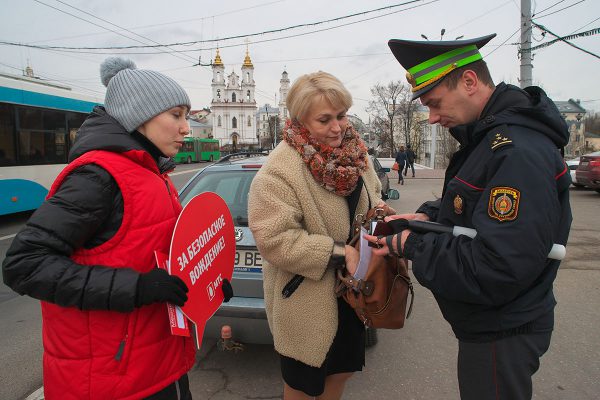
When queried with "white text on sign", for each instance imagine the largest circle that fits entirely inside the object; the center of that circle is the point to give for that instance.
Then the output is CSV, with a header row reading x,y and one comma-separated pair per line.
x,y
207,260
194,248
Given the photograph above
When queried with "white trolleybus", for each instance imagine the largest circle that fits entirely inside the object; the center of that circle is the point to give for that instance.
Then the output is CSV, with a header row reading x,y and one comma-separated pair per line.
x,y
38,123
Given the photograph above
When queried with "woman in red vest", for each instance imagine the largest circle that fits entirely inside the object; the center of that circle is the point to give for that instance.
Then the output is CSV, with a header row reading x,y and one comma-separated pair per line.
x,y
88,252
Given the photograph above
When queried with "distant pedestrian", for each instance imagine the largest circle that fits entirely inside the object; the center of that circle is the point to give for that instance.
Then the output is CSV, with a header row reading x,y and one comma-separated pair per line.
x,y
401,160
410,160
88,252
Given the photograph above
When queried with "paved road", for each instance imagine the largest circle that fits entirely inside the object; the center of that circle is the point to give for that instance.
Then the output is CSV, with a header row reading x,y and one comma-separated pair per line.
x,y
417,362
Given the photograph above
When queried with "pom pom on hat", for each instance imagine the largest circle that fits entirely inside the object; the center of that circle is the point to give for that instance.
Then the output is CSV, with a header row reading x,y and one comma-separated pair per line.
x,y
134,96
112,66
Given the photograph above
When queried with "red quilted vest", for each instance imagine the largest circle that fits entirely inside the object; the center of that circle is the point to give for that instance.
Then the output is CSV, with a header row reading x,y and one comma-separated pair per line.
x,y
108,354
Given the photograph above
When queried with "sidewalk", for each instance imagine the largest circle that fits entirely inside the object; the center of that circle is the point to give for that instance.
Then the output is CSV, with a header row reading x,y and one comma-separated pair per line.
x,y
421,171
420,174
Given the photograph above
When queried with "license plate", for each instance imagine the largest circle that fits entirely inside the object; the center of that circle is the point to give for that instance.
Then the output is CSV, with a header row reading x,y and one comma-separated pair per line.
x,y
248,261
584,163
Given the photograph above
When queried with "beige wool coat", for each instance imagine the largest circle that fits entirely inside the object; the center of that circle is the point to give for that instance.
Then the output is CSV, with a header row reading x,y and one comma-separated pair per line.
x,y
295,222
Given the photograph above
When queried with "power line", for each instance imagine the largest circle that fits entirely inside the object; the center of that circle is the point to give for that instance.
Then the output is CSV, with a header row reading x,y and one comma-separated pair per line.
x,y
120,27
108,22
62,80
584,26
168,23
215,40
547,8
10,66
82,49
479,16
564,40
591,32
322,58
503,43
564,8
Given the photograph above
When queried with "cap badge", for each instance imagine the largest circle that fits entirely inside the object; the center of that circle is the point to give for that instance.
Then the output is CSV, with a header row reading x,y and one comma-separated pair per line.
x,y
459,205
504,203
410,79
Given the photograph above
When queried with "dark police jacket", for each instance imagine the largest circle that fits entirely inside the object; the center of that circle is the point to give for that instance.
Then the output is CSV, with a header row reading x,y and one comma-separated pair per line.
x,y
509,182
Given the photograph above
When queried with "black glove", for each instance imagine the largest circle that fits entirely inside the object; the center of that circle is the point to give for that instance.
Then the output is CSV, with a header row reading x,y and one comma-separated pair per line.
x,y
157,286
227,290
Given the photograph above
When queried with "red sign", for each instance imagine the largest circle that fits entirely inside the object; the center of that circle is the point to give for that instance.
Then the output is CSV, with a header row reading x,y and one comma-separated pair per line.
x,y
177,320
202,255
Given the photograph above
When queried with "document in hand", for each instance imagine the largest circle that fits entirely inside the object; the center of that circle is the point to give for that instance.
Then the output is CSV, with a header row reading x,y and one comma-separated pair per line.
x,y
365,256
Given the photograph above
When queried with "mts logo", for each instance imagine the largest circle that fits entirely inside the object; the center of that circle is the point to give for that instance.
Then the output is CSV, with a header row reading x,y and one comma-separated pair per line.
x,y
212,287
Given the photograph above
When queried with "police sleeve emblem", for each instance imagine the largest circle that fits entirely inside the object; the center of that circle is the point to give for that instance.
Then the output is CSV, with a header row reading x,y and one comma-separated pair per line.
x,y
504,203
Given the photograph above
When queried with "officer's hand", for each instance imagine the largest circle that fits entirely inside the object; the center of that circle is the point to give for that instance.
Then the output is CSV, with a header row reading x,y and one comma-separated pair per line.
x,y
386,208
417,216
157,286
381,244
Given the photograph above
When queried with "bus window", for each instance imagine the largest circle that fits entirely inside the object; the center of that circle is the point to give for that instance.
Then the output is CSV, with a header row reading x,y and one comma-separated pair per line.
x,y
42,136
74,122
7,137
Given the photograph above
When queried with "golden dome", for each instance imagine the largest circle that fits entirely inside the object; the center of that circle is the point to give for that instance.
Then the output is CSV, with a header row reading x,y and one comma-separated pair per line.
x,y
218,60
247,60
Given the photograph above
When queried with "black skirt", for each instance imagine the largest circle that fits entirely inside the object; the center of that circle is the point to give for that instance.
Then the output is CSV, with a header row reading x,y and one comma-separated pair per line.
x,y
346,354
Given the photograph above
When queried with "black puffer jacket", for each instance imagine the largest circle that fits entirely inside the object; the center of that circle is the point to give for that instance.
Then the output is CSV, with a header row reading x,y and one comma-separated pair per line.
x,y
500,282
86,211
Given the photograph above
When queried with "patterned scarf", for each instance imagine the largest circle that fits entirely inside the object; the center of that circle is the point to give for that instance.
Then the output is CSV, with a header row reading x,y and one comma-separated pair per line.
x,y
335,168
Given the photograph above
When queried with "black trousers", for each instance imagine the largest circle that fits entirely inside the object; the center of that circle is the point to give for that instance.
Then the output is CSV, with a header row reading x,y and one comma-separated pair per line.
x,y
178,390
412,167
500,370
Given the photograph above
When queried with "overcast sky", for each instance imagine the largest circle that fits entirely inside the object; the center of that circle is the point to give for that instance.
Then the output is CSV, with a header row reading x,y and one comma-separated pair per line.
x,y
356,53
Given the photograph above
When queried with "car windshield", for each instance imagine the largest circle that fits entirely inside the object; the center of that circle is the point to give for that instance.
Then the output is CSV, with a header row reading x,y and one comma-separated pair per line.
x,y
232,186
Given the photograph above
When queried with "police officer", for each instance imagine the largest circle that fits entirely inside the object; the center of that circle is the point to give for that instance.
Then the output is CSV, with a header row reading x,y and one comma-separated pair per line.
x,y
507,181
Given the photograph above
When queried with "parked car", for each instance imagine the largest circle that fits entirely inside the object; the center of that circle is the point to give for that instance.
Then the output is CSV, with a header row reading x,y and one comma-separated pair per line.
x,y
383,178
230,178
572,165
588,171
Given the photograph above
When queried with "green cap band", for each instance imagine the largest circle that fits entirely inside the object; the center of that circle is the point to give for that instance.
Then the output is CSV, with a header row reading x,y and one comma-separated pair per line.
x,y
437,65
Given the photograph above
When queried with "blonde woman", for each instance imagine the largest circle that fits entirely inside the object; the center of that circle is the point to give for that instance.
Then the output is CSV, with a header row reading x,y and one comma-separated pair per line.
x,y
300,217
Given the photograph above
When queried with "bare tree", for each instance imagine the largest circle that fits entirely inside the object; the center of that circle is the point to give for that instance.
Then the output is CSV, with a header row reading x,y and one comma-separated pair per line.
x,y
409,123
447,145
592,122
274,129
414,124
384,107
396,117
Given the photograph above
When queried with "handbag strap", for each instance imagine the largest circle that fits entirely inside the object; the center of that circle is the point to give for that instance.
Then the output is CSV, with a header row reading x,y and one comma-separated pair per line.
x,y
352,200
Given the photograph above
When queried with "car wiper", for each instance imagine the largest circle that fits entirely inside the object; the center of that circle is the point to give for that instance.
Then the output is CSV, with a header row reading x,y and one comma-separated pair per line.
x,y
241,221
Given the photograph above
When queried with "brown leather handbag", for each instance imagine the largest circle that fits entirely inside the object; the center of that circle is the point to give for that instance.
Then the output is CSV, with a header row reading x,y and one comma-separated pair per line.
x,y
380,299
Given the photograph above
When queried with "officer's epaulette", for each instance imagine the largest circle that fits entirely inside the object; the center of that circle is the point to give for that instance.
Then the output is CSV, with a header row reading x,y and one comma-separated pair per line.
x,y
499,137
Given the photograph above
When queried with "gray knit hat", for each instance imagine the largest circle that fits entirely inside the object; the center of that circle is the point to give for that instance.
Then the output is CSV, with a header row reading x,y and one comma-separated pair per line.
x,y
134,96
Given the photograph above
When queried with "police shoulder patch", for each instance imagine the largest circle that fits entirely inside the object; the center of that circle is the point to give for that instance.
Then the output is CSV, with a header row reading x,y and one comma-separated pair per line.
x,y
499,137
504,203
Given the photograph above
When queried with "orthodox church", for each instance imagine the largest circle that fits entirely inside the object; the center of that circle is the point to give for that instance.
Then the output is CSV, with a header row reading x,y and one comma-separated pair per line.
x,y
233,106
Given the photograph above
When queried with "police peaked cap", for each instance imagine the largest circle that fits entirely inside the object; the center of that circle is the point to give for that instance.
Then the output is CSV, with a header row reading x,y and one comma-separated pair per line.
x,y
428,62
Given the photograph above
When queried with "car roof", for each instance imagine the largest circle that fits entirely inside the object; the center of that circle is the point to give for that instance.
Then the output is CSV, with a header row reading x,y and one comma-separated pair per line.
x,y
238,160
